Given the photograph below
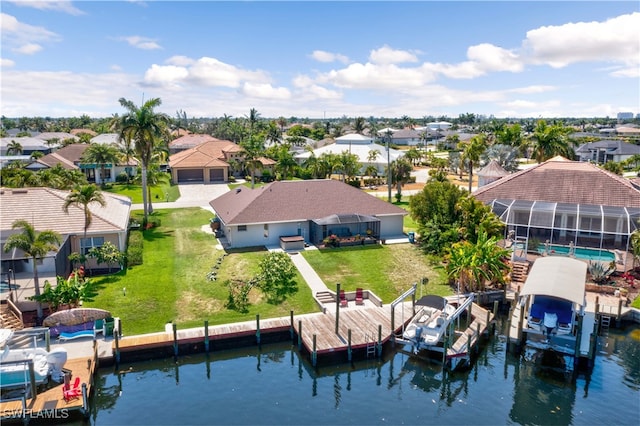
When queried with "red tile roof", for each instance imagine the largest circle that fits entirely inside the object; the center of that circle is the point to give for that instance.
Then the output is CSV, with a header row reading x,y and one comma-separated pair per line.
x,y
563,181
207,154
42,207
67,156
286,201
190,140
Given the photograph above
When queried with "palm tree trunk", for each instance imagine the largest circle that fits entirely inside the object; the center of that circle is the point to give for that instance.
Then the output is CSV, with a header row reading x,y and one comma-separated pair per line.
x,y
253,176
470,175
143,172
36,285
149,198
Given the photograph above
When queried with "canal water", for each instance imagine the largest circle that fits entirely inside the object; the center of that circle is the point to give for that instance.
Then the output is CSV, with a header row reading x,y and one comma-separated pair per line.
x,y
274,385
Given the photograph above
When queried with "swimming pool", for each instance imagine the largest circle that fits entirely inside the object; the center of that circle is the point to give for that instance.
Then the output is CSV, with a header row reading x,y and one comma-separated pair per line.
x,y
579,252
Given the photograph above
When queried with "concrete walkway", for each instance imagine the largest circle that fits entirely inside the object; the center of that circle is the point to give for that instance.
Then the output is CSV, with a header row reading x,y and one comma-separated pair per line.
x,y
313,280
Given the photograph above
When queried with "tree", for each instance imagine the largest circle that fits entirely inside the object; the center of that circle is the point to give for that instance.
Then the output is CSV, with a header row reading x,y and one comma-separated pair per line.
x,y
348,165
101,155
359,125
35,245
142,126
108,253
253,150
400,174
83,196
473,265
276,277
471,152
550,141
14,148
614,167
635,247
68,292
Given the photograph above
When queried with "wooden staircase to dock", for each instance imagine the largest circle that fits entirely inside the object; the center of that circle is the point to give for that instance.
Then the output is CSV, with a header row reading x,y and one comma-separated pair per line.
x,y
519,271
8,319
325,297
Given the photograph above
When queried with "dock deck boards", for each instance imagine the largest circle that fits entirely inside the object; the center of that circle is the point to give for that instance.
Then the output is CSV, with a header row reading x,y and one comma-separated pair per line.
x,y
362,321
52,398
470,334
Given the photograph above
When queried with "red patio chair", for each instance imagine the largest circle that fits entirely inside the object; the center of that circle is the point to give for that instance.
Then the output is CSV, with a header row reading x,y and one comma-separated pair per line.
x,y
343,299
69,393
359,298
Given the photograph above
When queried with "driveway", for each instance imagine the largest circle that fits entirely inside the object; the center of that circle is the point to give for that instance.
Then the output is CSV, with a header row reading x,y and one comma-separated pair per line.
x,y
192,195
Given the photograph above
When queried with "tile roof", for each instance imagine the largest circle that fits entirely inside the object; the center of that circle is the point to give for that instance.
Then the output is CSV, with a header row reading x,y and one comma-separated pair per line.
x,y
493,169
207,154
42,207
286,201
190,140
563,181
68,157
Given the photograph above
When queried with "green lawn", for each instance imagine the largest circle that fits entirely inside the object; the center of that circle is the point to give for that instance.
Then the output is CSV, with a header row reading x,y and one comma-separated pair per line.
x,y
172,283
158,193
387,270
409,225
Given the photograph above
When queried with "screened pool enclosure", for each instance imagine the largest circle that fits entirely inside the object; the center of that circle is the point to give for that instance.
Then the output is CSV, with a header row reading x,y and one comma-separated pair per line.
x,y
581,225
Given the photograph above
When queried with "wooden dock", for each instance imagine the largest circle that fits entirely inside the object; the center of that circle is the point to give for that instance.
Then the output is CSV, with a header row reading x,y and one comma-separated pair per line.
x,y
471,336
50,404
368,326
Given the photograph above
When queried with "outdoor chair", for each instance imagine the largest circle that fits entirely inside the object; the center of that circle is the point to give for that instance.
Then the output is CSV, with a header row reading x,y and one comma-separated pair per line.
x,y
72,392
359,298
343,299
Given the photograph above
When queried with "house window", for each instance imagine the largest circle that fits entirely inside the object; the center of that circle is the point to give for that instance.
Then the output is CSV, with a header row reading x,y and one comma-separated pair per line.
x,y
87,244
266,230
242,228
107,174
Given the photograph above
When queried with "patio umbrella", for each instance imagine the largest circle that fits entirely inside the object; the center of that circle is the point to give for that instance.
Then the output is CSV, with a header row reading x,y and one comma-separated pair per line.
x,y
75,316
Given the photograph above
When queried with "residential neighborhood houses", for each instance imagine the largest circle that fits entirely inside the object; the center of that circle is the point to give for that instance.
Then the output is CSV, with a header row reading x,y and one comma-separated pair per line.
x,y
283,190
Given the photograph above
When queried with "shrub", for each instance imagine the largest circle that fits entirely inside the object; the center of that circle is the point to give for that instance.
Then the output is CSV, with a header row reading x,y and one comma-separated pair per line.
x,y
134,249
122,177
600,272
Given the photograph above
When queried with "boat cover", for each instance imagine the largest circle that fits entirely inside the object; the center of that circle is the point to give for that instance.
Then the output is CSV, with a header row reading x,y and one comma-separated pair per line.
x,y
561,277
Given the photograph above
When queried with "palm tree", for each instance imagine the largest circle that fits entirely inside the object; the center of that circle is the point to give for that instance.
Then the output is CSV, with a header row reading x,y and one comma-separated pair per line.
x,y
82,196
471,152
253,150
143,126
101,155
549,141
35,245
359,125
400,174
473,265
14,148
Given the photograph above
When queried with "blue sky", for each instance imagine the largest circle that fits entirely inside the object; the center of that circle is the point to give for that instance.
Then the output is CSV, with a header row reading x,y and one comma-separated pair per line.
x,y
321,59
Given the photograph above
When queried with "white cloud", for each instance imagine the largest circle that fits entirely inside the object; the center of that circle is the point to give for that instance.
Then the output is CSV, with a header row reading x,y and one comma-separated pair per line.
x,y
265,91
179,60
168,75
532,89
376,77
6,63
386,55
614,40
24,38
28,49
60,6
323,56
143,43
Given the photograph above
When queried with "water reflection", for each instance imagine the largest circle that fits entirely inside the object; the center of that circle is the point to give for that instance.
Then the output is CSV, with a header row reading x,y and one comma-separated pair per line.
x,y
283,387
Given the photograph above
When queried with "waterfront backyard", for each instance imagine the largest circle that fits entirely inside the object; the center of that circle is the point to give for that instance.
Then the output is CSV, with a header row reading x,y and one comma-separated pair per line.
x,y
172,284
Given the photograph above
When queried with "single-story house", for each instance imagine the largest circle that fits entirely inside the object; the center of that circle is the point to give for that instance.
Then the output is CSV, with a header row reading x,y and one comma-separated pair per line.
x,y
42,207
490,173
566,202
188,141
409,137
310,209
213,160
361,146
29,145
607,150
70,157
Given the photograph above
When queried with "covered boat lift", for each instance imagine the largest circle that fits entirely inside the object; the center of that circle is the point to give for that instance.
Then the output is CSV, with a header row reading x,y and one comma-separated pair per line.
x,y
558,283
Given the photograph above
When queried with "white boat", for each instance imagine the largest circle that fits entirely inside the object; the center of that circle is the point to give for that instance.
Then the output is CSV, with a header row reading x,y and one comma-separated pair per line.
x,y
14,366
430,322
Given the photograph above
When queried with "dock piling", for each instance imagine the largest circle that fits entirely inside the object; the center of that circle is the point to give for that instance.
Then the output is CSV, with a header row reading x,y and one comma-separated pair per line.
x,y
206,336
291,331
299,334
349,345
379,340
32,381
337,306
314,354
47,339
258,329
116,339
175,339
